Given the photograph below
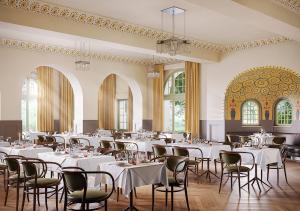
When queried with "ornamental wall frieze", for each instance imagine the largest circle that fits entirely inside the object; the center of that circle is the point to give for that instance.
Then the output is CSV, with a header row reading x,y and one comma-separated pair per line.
x,y
292,5
117,25
75,52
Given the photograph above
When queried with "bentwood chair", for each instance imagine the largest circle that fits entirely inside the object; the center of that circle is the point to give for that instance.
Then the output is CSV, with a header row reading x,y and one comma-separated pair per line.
x,y
3,168
41,139
35,171
283,153
106,147
76,190
159,152
178,165
231,164
14,176
279,140
192,163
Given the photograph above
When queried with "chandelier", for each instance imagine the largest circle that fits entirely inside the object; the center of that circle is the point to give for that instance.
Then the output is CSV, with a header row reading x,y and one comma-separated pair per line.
x,y
82,61
173,45
152,73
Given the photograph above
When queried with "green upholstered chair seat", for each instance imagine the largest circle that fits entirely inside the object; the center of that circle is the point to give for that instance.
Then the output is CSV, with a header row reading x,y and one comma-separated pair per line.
x,y
235,168
3,166
43,182
272,164
172,181
15,176
91,195
192,162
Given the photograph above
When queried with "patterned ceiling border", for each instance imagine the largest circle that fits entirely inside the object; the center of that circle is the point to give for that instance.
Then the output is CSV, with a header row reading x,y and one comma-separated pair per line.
x,y
75,52
292,5
255,43
117,25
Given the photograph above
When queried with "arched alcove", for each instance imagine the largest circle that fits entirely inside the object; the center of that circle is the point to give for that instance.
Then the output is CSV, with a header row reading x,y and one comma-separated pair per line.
x,y
137,99
265,85
77,91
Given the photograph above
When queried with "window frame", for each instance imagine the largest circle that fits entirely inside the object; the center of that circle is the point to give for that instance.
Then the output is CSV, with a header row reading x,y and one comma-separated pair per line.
x,y
258,113
173,96
126,109
276,116
27,98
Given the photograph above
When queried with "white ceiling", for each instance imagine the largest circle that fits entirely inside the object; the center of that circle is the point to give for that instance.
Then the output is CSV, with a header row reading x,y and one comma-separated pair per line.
x,y
201,23
40,36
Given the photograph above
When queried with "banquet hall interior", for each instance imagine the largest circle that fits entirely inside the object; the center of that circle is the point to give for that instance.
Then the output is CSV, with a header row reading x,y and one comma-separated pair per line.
x,y
149,105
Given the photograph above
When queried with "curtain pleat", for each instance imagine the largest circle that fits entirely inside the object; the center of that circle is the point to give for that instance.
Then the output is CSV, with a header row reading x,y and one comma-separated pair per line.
x,y
66,99
45,120
106,100
192,98
130,110
158,99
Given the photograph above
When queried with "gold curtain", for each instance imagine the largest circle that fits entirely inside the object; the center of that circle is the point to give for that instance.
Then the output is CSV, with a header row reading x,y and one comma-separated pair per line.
x,y
130,110
66,99
45,120
106,103
158,99
192,98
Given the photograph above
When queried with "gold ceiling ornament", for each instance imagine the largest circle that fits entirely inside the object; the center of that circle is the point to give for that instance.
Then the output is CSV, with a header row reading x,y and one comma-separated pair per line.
x,y
10,43
292,5
41,7
264,84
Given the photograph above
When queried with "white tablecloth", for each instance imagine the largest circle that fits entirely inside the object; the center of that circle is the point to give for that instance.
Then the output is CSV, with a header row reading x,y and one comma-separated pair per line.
x,y
94,140
143,146
265,138
87,163
4,144
30,152
262,156
209,151
34,135
131,176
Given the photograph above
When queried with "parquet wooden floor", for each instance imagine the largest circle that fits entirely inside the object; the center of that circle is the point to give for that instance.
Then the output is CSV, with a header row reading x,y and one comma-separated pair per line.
x,y
203,195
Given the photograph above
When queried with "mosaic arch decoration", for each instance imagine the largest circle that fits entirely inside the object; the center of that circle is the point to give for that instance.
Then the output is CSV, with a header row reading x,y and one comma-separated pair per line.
x,y
266,85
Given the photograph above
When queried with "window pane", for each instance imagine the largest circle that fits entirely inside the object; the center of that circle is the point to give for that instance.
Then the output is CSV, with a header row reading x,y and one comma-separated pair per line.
x,y
179,116
250,113
168,86
179,83
122,114
284,113
168,117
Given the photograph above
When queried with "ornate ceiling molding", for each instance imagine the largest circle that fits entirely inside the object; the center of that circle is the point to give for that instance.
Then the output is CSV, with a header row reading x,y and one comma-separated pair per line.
x,y
255,43
74,52
117,25
292,5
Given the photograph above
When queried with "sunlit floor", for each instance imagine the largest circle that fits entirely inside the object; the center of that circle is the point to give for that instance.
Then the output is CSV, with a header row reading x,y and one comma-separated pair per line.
x,y
203,195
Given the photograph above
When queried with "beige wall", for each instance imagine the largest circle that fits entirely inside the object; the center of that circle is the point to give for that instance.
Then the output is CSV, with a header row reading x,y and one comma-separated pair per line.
x,y
16,64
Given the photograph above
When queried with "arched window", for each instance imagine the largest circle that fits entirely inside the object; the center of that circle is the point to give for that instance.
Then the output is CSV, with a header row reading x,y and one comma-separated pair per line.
x,y
29,103
174,102
250,113
283,112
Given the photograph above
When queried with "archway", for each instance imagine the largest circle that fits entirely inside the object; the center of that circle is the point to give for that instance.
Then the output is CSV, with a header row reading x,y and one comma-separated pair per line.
x,y
137,102
77,91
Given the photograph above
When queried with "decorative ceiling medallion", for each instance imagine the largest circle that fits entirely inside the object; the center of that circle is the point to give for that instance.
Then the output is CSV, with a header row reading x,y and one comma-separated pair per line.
x,y
292,5
116,25
74,52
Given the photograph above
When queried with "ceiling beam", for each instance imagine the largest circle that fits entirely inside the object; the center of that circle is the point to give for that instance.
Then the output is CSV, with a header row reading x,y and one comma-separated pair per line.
x,y
264,14
126,41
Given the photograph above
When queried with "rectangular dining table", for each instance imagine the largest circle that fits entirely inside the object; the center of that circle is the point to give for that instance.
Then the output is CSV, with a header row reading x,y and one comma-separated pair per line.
x,y
128,176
